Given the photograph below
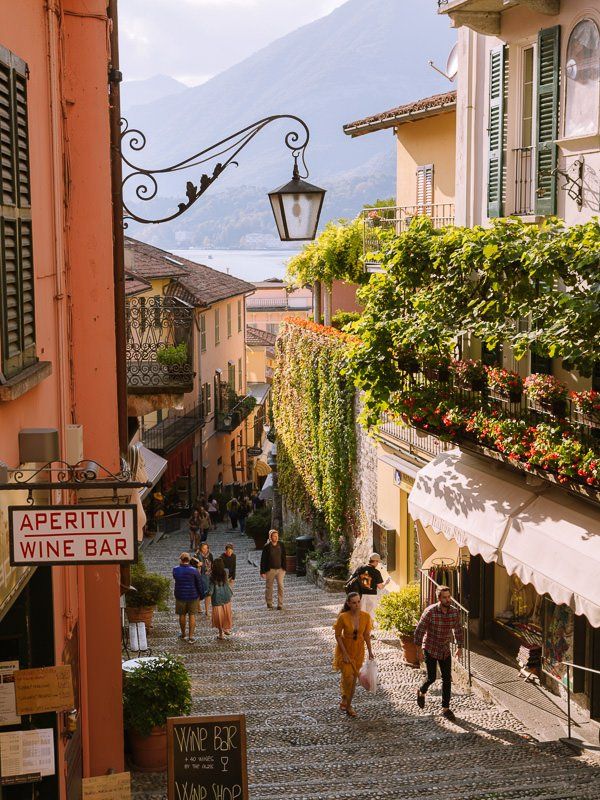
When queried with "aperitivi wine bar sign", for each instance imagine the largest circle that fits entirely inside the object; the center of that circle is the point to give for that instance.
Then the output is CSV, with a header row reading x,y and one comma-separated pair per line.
x,y
47,535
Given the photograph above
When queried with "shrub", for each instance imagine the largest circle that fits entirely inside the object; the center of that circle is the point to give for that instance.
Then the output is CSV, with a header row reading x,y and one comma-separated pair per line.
x,y
151,589
172,354
156,689
342,318
400,611
259,522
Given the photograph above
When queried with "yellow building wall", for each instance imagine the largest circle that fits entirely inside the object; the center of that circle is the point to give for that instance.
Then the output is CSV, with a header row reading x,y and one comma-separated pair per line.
x,y
256,364
392,510
426,141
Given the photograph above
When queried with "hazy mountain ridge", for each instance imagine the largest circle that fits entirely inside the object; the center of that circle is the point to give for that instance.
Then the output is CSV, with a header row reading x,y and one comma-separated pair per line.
x,y
358,60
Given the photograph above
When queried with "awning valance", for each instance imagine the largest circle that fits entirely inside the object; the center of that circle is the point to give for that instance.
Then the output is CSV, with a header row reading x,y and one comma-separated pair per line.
x,y
261,468
455,494
554,544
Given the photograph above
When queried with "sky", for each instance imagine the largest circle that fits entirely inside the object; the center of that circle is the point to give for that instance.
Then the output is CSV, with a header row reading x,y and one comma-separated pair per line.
x,y
192,40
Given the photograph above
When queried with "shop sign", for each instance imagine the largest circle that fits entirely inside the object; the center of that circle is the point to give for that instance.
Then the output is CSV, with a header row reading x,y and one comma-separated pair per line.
x,y
47,535
107,787
207,758
44,689
255,451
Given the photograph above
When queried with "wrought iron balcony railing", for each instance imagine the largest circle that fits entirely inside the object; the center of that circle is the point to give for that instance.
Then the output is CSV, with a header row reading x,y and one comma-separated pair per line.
x,y
398,218
410,439
159,345
278,304
524,181
228,419
167,434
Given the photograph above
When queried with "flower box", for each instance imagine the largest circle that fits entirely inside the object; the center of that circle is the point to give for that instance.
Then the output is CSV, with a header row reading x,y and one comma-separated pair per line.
x,y
469,374
505,383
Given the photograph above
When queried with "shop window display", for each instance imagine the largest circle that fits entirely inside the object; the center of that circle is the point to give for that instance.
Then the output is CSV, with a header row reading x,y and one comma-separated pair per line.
x,y
558,639
522,618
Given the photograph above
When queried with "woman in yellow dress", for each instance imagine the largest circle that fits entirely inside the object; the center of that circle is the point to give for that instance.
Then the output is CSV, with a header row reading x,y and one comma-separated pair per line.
x,y
352,633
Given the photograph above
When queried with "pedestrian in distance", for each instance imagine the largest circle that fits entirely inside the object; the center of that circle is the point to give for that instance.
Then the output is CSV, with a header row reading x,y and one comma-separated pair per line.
x,y
205,564
367,580
243,512
433,635
194,525
205,524
352,632
220,595
272,568
233,508
188,592
229,560
213,511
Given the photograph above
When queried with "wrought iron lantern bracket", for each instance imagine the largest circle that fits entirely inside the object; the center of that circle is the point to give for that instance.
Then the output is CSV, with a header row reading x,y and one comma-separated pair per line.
x,y
144,181
59,475
573,184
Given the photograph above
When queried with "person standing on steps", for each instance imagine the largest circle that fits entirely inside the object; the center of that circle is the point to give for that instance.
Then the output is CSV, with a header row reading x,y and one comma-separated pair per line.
x,y
205,523
433,636
220,595
233,508
205,562
188,591
243,512
366,581
272,567
228,558
194,525
352,633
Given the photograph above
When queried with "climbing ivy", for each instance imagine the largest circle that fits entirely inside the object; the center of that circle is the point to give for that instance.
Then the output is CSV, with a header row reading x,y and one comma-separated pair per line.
x,y
313,413
335,255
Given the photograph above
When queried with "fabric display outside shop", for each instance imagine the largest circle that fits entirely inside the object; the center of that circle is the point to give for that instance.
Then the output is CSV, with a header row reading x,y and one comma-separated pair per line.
x,y
179,462
521,617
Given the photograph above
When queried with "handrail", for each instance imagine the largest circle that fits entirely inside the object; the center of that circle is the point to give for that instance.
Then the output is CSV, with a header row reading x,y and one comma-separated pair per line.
x,y
569,665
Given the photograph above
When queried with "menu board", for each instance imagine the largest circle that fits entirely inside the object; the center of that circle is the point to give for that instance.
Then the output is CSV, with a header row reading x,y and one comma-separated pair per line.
x,y
8,707
207,758
26,755
44,689
107,787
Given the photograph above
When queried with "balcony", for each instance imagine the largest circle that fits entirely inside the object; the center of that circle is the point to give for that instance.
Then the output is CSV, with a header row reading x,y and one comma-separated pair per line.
x,y
524,187
556,442
483,16
167,434
411,440
398,218
159,346
278,304
232,410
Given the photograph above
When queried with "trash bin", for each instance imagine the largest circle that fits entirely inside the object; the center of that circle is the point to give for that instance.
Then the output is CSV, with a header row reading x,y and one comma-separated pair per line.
x,y
303,547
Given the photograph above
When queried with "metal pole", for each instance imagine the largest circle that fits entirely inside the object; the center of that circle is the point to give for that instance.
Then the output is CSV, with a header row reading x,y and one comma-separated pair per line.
x,y
568,701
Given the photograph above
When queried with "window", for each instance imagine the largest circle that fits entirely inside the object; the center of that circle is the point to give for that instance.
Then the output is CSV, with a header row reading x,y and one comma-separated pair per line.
x,y
582,72
540,364
207,399
228,320
425,187
239,315
527,98
217,324
596,377
273,327
17,312
231,375
240,375
492,358
524,196
203,332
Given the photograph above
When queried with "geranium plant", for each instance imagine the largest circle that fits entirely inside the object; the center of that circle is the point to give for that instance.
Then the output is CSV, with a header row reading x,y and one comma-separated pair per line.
x,y
505,382
587,403
545,389
469,373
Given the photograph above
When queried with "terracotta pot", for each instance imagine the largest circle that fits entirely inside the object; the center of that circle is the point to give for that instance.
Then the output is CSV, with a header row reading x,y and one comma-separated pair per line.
x,y
141,614
409,649
290,564
149,753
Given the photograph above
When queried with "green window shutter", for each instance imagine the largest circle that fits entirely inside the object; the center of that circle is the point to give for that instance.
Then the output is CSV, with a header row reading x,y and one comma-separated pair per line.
x,y
547,119
11,297
27,293
8,196
496,131
21,136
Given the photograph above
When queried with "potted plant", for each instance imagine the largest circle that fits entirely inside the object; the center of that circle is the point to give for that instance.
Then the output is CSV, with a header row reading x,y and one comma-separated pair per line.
x,y
505,383
258,526
159,687
469,374
400,612
587,404
173,357
149,593
549,392
436,367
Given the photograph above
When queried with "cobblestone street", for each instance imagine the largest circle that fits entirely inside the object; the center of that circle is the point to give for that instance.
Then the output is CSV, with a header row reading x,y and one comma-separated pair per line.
x,y
276,669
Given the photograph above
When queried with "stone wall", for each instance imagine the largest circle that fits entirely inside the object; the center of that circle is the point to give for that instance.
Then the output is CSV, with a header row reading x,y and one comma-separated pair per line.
x,y
366,490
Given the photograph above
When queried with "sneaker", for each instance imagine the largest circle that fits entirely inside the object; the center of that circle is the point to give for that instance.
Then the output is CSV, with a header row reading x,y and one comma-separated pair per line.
x,y
449,714
191,641
268,606
181,636
420,700
279,608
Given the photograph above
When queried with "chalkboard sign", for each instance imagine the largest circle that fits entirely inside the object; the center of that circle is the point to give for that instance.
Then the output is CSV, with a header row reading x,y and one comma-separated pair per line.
x,y
207,758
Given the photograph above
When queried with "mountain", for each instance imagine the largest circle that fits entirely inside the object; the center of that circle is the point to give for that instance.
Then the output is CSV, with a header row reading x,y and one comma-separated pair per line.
x,y
364,57
138,93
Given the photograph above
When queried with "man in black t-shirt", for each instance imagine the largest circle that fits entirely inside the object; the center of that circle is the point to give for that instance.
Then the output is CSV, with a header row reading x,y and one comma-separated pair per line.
x,y
368,580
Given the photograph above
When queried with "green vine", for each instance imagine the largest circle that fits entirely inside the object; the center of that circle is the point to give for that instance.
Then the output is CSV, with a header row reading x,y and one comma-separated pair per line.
x,y
335,255
313,412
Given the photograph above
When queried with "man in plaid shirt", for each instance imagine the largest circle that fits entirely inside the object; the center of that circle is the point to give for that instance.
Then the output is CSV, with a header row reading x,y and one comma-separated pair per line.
x,y
433,635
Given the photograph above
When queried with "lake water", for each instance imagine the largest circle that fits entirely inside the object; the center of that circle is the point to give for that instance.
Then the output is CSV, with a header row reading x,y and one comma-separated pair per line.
x,y
250,265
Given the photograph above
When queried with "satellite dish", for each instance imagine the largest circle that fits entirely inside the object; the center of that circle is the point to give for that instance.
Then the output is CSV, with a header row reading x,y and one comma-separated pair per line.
x,y
452,63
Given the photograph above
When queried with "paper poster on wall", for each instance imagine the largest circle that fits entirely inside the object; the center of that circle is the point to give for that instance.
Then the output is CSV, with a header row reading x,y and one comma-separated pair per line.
x,y
8,708
107,787
44,689
26,755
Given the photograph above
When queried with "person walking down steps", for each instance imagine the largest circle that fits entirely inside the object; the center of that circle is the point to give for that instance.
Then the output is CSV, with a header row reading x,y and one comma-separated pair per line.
x,y
188,593
433,636
352,633
272,568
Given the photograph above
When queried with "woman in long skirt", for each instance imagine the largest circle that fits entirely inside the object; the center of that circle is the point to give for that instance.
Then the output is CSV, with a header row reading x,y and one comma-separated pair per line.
x,y
220,595
352,633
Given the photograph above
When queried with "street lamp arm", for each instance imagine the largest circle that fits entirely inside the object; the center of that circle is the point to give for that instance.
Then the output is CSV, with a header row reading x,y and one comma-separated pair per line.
x,y
144,181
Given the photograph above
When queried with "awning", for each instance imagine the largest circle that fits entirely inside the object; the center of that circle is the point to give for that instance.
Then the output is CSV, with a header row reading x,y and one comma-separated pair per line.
x,y
266,493
153,465
555,545
261,468
459,496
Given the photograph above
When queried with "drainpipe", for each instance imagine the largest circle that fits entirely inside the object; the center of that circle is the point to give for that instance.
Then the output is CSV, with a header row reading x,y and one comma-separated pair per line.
x,y
114,80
